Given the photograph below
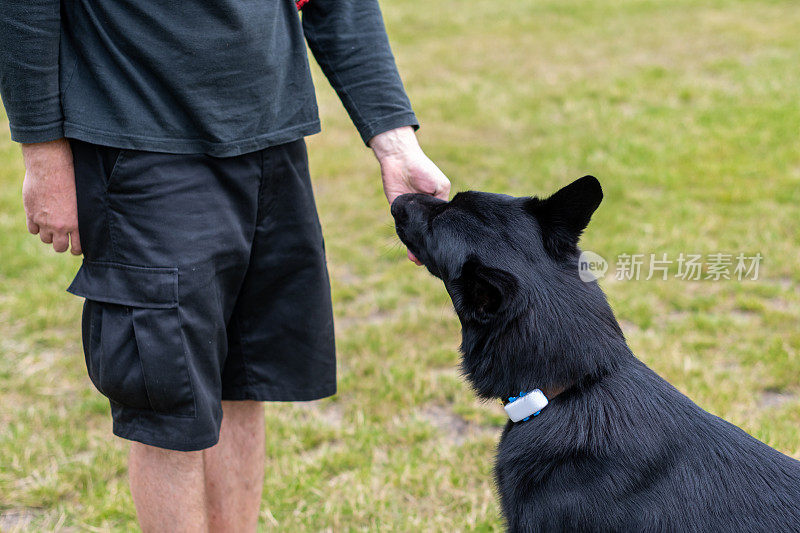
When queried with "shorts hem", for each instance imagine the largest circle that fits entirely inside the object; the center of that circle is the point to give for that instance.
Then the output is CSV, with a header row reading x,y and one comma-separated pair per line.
x,y
144,437
279,394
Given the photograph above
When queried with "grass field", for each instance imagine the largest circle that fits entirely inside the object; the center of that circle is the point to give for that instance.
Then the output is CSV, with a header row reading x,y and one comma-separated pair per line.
x,y
687,111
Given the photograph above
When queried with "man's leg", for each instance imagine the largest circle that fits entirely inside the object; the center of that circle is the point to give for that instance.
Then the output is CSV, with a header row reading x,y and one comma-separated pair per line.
x,y
168,489
176,491
234,468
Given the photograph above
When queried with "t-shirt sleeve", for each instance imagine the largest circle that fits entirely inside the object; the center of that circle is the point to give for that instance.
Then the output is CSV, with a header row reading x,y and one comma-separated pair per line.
x,y
29,71
348,40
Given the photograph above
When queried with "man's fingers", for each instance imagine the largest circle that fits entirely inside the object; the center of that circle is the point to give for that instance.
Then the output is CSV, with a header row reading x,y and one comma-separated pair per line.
x,y
61,242
442,186
443,191
76,243
46,236
33,227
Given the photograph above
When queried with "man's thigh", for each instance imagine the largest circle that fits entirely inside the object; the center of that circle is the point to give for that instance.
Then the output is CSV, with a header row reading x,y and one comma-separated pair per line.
x,y
167,246
280,335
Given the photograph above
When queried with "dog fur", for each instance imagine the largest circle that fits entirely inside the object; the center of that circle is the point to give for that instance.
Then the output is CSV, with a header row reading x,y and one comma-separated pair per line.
x,y
620,449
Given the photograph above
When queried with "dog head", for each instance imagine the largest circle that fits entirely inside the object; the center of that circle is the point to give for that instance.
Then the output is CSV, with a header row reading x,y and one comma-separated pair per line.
x,y
510,266
492,249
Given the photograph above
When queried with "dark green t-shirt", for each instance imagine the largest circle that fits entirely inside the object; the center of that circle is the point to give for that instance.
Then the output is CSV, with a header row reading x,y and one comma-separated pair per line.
x,y
223,77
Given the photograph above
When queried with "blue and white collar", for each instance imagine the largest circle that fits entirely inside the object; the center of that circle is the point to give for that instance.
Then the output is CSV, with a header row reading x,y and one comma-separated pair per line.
x,y
527,404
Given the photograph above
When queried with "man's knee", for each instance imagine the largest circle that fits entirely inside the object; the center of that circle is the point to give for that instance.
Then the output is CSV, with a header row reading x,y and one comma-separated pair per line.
x,y
241,408
153,456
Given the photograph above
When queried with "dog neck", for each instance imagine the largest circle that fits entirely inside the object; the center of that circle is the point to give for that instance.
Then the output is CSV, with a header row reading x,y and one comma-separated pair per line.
x,y
551,392
503,361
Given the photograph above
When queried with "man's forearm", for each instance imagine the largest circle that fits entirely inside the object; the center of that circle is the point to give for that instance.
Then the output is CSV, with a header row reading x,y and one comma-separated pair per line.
x,y
29,71
349,42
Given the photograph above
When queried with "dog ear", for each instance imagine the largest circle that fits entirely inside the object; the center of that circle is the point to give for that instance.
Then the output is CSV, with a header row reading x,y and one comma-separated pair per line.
x,y
480,292
565,214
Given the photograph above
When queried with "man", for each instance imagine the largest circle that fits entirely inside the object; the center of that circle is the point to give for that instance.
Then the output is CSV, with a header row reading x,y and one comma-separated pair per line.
x,y
164,141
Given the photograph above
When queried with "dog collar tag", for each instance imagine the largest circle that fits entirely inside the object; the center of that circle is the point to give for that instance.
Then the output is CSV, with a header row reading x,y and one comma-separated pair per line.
x,y
526,405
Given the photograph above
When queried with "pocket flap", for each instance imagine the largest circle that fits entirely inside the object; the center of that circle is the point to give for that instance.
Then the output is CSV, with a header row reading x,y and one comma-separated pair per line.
x,y
150,287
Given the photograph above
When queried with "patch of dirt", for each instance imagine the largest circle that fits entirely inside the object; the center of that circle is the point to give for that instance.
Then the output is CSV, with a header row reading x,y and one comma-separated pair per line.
x,y
771,398
678,316
628,327
730,365
375,318
17,519
788,284
453,427
446,372
778,304
743,317
329,413
344,274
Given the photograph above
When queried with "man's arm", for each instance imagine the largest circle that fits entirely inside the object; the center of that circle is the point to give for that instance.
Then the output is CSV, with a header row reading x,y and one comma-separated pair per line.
x,y
29,85
29,40
348,40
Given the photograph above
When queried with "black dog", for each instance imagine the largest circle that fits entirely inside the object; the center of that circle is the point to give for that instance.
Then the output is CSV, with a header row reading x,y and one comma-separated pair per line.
x,y
618,448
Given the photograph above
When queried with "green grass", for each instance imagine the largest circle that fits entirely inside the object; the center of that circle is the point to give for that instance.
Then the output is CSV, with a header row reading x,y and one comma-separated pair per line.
x,y
687,111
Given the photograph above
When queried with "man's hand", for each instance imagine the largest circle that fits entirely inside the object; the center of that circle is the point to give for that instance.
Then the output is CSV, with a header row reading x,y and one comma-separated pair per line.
x,y
48,194
405,168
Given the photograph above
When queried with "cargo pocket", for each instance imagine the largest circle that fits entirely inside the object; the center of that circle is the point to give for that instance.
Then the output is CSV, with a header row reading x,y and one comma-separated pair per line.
x,y
132,336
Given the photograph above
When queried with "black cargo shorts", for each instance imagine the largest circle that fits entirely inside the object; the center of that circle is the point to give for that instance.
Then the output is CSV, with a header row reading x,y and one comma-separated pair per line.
x,y
205,280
